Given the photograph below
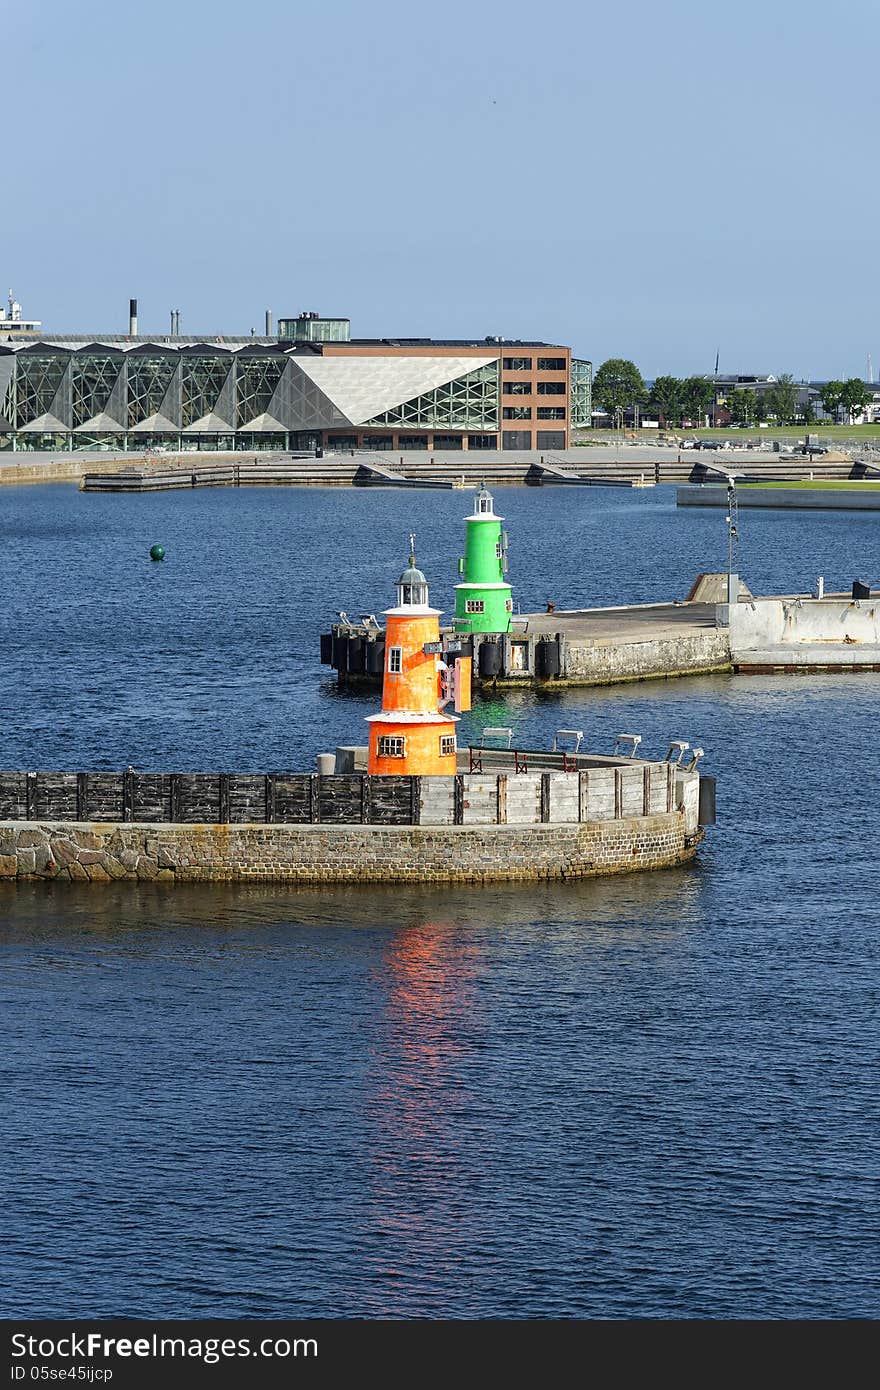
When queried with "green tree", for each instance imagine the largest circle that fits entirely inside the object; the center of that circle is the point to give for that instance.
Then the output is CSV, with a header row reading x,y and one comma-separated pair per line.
x,y
782,399
808,414
618,384
760,407
854,397
665,398
741,405
697,394
832,394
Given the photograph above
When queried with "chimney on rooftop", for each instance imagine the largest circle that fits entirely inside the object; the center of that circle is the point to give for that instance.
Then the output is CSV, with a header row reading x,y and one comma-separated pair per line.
x,y
132,318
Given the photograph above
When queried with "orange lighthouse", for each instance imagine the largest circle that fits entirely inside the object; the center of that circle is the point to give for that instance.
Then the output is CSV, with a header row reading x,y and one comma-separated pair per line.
x,y
412,735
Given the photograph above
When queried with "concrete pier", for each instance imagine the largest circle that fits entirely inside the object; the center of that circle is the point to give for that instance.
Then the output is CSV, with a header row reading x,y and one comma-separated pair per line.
x,y
859,496
581,647
518,815
802,634
661,641
608,646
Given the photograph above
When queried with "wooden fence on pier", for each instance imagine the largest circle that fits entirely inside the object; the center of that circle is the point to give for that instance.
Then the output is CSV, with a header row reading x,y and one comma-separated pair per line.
x,y
594,789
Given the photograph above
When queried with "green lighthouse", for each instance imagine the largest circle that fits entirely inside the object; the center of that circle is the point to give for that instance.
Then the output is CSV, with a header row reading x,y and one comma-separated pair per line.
x,y
483,600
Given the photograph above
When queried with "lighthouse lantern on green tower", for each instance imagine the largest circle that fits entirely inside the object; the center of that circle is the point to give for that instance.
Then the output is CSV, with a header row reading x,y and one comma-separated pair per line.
x,y
483,600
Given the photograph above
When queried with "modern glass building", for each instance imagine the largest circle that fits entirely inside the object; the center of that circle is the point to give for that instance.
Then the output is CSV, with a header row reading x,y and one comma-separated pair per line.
x,y
291,392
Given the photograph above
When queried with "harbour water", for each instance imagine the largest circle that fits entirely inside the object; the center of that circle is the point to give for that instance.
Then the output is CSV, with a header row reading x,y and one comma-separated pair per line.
x,y
653,1096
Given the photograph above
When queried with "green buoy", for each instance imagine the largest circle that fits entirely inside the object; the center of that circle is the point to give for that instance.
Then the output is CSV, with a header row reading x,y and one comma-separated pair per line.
x,y
157,552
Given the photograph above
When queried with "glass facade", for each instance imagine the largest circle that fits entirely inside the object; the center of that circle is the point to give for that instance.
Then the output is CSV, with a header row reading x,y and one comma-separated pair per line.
x,y
202,379
470,402
256,381
38,381
149,379
92,379
581,393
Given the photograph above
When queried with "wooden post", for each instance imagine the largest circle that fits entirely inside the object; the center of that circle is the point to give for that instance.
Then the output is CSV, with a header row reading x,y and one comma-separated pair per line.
x,y
81,796
174,789
415,796
618,793
646,799
270,798
315,798
670,787
545,797
224,798
127,794
30,795
458,804
366,798
501,813
584,794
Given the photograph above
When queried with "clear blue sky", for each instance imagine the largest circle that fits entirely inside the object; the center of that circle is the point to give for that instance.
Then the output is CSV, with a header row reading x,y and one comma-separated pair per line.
x,y
641,180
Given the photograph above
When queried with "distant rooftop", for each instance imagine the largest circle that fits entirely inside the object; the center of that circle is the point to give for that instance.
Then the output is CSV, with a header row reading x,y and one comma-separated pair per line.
x,y
126,342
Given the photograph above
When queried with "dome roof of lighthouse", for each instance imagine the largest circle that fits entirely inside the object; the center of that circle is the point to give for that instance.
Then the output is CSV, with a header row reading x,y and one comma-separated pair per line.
x,y
412,575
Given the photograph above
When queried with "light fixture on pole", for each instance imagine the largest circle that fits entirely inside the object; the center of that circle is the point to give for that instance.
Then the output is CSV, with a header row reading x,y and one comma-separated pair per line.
x,y
732,519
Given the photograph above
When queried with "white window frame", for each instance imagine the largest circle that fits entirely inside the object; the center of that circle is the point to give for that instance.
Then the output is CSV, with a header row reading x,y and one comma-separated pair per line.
x,y
475,605
450,740
398,750
395,661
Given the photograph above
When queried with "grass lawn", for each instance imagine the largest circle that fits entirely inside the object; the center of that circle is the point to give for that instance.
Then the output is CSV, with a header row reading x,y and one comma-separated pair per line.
x,y
795,432
817,484
754,435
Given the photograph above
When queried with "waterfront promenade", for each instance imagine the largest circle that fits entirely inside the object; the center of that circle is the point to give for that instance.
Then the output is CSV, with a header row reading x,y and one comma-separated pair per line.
x,y
621,465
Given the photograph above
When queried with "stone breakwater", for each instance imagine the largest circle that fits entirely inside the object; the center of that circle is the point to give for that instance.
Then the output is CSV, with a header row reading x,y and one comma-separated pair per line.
x,y
176,853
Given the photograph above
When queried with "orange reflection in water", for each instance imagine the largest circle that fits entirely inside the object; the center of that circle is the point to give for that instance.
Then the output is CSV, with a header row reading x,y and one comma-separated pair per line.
x,y
429,969
421,1088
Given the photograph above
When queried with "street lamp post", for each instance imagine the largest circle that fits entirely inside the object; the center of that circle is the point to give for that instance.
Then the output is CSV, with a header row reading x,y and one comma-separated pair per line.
x,y
732,520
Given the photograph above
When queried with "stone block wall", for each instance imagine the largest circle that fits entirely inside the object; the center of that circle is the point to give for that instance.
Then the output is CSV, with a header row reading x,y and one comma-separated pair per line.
x,y
102,853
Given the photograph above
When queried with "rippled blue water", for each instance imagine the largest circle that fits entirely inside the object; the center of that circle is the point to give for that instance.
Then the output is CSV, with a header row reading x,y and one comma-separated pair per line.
x,y
654,1096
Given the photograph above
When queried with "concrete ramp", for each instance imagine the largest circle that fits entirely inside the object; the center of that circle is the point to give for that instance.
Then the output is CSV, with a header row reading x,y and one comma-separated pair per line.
x,y
380,475
712,588
381,470
552,473
702,468
558,474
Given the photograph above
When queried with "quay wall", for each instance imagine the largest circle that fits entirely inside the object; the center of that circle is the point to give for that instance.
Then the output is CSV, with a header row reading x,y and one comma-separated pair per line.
x,y
683,655
19,468
607,817
782,499
769,622
104,853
